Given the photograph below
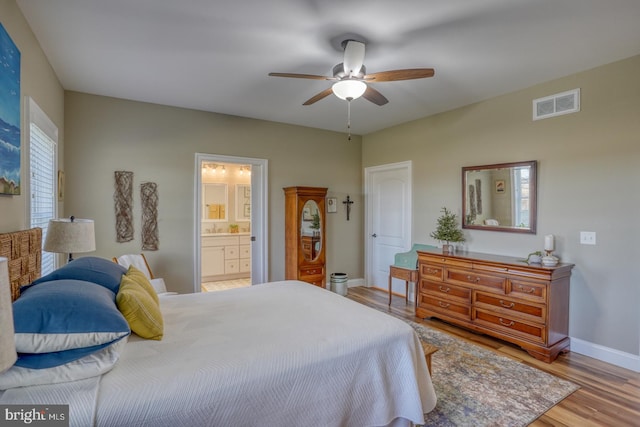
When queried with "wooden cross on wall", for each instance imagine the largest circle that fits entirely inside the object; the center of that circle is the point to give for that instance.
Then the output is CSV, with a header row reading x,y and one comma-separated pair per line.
x,y
348,202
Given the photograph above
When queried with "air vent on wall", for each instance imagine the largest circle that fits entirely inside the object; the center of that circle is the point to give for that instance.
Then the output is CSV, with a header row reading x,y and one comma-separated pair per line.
x,y
556,105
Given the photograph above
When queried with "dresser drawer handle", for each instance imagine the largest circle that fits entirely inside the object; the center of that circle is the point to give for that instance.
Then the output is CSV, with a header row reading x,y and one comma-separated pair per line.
x,y
505,305
443,305
503,323
473,279
443,289
432,271
523,289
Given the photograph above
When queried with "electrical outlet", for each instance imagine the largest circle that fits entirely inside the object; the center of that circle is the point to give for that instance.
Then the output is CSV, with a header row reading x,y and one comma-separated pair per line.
x,y
587,237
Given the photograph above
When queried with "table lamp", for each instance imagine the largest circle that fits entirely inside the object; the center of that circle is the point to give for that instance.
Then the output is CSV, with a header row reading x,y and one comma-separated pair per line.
x,y
70,236
8,355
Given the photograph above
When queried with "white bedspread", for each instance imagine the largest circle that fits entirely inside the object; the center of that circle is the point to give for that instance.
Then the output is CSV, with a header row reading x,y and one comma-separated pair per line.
x,y
277,354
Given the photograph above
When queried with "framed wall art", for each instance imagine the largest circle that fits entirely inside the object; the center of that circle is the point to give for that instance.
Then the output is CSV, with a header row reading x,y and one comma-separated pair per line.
x,y
332,205
9,115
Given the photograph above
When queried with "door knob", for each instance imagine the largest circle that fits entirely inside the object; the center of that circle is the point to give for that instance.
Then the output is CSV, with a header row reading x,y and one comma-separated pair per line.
x,y
374,235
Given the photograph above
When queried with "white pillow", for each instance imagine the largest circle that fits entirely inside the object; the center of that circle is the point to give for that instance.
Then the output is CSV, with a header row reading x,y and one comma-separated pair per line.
x,y
91,365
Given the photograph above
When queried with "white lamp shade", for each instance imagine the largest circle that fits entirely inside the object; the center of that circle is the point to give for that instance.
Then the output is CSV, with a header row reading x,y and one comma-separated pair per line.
x,y
349,89
66,236
8,355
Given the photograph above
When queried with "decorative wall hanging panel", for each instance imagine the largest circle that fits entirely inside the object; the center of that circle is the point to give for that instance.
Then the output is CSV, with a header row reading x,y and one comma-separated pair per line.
x,y
9,115
123,202
149,199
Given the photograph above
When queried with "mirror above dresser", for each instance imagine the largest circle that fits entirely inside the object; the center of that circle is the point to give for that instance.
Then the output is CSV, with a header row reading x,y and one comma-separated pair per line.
x,y
500,197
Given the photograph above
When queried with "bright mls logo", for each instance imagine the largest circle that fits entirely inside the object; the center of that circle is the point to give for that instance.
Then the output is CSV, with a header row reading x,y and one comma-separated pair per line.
x,y
34,415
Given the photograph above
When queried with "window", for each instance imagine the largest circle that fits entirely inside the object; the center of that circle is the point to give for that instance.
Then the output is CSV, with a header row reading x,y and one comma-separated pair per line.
x,y
521,192
43,149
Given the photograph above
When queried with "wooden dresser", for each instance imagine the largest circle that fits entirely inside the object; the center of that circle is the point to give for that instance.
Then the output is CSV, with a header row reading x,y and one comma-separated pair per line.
x,y
500,296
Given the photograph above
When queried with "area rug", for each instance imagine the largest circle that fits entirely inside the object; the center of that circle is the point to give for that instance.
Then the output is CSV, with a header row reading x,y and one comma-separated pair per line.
x,y
477,387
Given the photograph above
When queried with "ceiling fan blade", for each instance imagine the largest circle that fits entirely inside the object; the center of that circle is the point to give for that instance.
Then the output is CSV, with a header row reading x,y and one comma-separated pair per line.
x,y
395,75
301,76
319,96
374,96
353,57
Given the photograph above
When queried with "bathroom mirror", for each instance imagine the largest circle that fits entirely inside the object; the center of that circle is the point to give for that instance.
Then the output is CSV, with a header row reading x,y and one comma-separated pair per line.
x,y
500,197
310,235
214,202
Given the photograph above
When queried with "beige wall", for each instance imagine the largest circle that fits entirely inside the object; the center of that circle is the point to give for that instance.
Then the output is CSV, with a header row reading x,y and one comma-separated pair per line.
x,y
158,144
38,81
588,178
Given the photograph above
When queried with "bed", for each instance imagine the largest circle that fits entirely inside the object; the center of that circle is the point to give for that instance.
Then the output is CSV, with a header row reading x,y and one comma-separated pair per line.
x,y
276,354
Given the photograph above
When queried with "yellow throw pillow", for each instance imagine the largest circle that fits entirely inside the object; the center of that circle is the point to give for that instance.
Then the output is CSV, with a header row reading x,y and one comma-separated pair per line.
x,y
141,311
139,277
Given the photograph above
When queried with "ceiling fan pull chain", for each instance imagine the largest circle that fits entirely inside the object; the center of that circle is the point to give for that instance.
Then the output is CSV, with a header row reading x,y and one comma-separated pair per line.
x,y
349,118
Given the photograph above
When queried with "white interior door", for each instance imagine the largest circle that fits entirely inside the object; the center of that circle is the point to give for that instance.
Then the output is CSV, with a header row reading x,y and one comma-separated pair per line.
x,y
388,225
259,221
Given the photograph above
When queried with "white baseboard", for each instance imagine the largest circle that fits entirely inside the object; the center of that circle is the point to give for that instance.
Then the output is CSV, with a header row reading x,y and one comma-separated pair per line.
x,y
606,354
352,283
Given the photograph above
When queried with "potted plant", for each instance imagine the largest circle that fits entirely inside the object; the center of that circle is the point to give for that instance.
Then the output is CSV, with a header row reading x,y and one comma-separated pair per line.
x,y
447,230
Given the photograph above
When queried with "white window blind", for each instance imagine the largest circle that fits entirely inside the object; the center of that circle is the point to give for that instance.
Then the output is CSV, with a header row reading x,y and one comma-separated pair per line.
x,y
43,140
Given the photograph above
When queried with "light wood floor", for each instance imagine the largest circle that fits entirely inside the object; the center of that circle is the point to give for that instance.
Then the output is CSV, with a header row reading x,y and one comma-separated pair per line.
x,y
609,396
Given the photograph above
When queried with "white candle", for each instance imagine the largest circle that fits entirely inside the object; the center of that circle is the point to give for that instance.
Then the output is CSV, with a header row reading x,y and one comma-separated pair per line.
x,y
548,242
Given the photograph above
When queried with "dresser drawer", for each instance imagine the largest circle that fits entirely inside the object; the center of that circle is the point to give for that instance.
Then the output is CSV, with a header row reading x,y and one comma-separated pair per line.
x,y
510,325
317,280
445,306
231,266
219,241
510,307
446,290
245,251
484,281
528,290
311,271
442,260
432,272
231,252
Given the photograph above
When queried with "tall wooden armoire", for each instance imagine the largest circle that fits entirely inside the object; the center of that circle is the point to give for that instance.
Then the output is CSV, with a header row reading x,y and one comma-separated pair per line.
x,y
304,232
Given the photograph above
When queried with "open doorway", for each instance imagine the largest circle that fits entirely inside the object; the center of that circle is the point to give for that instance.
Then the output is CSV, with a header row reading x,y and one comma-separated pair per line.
x,y
231,237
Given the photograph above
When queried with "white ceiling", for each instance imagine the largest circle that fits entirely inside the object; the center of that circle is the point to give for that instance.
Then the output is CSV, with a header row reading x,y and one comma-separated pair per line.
x,y
214,55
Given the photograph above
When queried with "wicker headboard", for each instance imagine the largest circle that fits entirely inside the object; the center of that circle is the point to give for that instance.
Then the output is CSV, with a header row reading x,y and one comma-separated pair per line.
x,y
24,251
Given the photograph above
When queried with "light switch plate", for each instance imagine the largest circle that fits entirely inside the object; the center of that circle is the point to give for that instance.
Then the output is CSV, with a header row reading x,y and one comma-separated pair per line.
x,y
587,237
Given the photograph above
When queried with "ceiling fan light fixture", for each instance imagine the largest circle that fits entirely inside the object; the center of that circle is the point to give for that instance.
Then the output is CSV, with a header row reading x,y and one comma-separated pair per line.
x,y
349,89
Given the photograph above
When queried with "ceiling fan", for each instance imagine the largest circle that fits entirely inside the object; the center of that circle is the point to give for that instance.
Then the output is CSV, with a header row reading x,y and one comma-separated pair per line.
x,y
351,78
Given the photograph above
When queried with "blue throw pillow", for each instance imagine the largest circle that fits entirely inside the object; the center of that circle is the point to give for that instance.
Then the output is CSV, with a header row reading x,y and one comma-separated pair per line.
x,y
63,320
90,269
